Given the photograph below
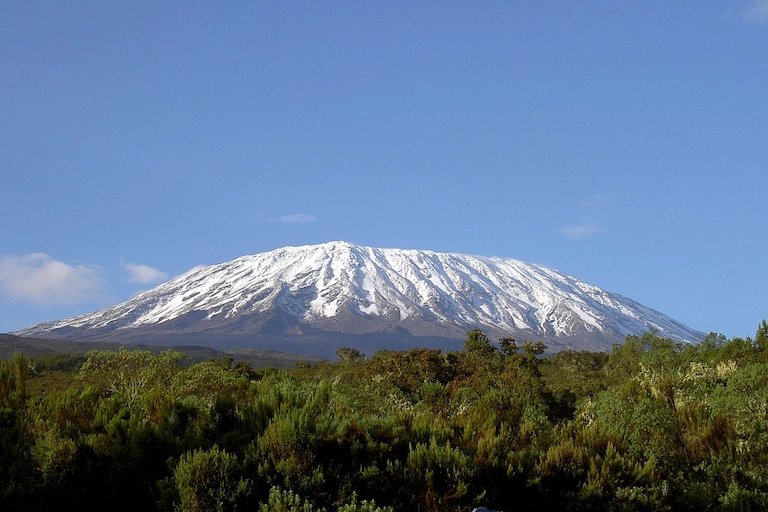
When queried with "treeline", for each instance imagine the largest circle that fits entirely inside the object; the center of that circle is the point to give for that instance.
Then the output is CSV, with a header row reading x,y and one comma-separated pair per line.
x,y
654,425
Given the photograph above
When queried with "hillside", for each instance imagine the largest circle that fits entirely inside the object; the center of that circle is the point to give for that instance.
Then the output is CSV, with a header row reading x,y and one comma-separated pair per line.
x,y
312,299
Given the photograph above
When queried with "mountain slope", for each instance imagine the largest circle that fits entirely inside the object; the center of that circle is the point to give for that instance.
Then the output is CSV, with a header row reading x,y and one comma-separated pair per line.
x,y
319,291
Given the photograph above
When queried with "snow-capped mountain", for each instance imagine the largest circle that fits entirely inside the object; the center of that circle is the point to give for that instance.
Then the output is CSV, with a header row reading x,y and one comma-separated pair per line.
x,y
330,293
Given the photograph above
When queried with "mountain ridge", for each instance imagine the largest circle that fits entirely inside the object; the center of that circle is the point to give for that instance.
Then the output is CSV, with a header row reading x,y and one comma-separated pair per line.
x,y
338,287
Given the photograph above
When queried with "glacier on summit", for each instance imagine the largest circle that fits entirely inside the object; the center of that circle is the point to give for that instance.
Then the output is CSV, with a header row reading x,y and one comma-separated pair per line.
x,y
337,287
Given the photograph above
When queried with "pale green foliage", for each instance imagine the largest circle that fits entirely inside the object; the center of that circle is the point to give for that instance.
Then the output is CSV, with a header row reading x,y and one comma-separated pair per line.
x,y
744,400
129,373
201,383
740,498
208,480
53,455
628,482
349,355
441,472
13,380
284,452
363,506
286,501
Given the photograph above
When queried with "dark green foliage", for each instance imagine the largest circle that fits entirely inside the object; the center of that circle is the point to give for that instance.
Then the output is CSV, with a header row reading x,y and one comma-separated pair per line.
x,y
761,337
17,476
654,425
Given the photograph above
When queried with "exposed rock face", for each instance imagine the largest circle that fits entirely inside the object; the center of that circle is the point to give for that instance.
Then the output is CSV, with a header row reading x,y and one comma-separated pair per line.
x,y
370,298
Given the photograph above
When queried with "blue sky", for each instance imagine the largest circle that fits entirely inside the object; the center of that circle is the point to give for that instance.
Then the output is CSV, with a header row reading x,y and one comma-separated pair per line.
x,y
626,145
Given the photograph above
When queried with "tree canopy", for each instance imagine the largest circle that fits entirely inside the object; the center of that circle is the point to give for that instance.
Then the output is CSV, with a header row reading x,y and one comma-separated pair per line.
x,y
653,425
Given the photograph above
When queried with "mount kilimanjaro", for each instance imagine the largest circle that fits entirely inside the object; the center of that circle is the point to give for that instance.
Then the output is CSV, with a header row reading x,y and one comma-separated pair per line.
x,y
314,299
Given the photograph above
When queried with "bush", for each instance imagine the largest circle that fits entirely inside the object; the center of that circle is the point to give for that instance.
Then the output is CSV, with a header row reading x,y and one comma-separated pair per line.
x,y
208,480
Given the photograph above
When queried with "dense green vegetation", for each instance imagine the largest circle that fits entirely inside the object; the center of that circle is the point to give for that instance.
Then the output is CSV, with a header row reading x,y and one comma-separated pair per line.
x,y
654,425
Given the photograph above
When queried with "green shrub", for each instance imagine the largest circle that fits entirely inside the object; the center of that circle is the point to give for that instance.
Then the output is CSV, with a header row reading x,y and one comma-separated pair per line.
x,y
209,480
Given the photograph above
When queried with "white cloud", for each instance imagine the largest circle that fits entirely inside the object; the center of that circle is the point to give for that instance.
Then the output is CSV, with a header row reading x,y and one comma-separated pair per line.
x,y
579,232
756,10
594,213
596,201
297,218
42,280
143,274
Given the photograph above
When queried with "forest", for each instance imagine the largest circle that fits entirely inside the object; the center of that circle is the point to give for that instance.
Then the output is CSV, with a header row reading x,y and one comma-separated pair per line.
x,y
652,425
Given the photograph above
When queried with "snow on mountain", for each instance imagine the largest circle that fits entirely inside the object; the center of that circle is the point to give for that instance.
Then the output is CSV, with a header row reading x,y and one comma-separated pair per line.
x,y
340,287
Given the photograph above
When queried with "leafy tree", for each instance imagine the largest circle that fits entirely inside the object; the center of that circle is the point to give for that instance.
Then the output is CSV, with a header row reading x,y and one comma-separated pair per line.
x,y
761,337
349,355
579,373
478,344
129,373
409,370
201,384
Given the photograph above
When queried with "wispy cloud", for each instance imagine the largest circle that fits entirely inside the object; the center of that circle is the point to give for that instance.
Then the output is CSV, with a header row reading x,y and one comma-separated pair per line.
x,y
756,10
40,279
297,218
293,218
593,215
597,202
579,232
143,274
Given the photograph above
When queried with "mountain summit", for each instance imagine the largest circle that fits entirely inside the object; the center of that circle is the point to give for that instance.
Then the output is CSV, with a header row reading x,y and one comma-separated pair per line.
x,y
313,298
